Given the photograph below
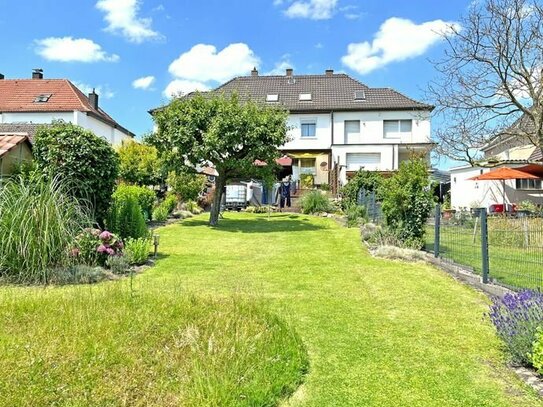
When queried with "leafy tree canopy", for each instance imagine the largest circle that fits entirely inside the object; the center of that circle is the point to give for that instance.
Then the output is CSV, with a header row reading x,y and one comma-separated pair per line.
x,y
84,161
139,164
221,131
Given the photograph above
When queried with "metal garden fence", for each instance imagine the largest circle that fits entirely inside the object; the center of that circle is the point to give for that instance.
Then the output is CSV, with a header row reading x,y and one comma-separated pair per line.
x,y
369,201
507,250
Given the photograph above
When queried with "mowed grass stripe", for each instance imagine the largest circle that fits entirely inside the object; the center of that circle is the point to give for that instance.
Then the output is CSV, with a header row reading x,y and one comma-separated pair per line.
x,y
378,332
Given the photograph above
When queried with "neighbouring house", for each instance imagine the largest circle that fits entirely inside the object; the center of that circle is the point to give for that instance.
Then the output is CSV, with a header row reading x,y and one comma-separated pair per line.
x,y
338,125
26,104
505,149
15,149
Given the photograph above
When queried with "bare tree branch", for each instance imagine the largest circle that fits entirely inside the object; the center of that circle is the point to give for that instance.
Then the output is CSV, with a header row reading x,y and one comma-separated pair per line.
x,y
490,76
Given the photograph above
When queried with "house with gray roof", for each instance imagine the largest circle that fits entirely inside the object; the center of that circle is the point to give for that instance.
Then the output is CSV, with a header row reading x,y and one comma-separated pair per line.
x,y
339,125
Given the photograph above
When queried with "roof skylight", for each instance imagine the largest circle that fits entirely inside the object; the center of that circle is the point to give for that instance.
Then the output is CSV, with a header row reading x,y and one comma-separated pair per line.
x,y
304,97
359,95
43,98
272,98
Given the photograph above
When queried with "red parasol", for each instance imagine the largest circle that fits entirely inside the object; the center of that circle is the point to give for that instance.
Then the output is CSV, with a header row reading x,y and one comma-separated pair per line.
x,y
502,174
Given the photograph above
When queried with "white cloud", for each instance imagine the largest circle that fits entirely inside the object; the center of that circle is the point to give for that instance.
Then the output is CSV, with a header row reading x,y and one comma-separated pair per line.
x,y
398,39
144,82
203,63
281,66
68,49
312,9
351,12
182,87
102,90
122,17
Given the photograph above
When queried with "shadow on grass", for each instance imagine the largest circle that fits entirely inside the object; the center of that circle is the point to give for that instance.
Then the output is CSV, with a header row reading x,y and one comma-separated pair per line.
x,y
276,223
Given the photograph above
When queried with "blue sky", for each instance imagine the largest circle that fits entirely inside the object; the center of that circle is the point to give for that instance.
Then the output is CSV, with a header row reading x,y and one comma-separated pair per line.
x,y
182,45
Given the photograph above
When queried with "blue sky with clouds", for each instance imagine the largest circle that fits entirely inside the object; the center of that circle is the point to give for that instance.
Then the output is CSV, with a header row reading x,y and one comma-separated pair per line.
x,y
138,52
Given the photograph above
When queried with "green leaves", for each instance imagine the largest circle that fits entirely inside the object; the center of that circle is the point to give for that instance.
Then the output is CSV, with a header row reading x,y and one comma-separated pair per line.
x,y
222,131
85,162
139,164
219,130
407,200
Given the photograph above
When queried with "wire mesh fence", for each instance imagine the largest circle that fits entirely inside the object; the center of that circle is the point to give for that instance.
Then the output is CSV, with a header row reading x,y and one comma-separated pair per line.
x,y
508,248
369,200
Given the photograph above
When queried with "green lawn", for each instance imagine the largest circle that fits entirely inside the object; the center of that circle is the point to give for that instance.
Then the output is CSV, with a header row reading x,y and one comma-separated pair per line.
x,y
377,332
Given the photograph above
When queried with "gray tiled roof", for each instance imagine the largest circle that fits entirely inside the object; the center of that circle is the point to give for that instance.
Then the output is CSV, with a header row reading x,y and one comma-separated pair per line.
x,y
27,128
329,92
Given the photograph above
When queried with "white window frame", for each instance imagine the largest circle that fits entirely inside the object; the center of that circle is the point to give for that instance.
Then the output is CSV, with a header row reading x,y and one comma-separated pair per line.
x,y
398,133
308,122
349,135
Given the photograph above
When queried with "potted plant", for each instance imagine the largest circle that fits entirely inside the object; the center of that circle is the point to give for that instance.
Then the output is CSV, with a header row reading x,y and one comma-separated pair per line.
x,y
526,208
447,210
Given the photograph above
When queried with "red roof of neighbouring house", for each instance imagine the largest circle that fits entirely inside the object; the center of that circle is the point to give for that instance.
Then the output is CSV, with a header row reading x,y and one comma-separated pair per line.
x,y
19,95
10,141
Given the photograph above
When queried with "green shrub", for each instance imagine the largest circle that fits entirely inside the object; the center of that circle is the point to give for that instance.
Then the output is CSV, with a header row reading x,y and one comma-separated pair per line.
x,y
355,215
130,221
86,244
94,247
160,213
407,200
314,202
118,264
137,250
79,274
193,207
370,181
145,197
170,202
187,186
537,351
139,164
39,221
86,163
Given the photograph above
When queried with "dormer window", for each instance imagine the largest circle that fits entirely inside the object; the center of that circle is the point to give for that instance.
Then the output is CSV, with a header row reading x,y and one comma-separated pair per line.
x,y
43,98
272,98
359,95
305,97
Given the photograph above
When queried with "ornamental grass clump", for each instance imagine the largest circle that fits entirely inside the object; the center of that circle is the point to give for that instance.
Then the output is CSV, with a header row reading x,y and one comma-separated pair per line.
x,y
315,202
39,222
517,317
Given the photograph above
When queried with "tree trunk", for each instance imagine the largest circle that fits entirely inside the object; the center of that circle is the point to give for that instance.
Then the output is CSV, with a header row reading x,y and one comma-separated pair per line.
x,y
220,182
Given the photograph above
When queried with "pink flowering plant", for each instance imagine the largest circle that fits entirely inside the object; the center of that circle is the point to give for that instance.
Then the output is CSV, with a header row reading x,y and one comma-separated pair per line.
x,y
94,247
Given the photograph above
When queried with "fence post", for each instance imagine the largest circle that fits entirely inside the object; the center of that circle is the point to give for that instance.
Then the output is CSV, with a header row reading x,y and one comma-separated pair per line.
x,y
484,243
374,214
437,229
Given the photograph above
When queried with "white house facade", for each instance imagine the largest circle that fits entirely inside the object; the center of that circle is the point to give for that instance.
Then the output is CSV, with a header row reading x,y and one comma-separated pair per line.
x,y
26,104
504,150
339,125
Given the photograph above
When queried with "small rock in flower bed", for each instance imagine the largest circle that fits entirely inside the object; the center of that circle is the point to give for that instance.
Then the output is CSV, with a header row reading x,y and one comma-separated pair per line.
x,y
517,317
183,214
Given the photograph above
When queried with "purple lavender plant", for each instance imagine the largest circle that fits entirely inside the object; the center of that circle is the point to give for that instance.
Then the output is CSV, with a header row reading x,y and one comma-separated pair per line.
x,y
516,317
